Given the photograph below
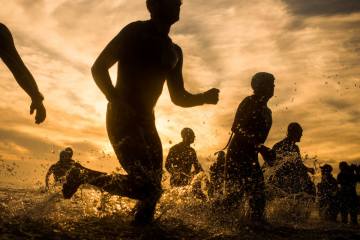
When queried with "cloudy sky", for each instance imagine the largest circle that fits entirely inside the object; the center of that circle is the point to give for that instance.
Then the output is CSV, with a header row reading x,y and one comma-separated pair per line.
x,y
312,48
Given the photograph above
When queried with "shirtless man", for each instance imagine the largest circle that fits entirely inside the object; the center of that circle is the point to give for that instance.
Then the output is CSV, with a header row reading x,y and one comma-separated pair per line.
x,y
12,59
251,127
61,167
146,58
293,176
181,158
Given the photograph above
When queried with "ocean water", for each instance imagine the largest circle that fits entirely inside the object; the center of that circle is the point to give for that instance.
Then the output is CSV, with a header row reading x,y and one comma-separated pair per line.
x,y
32,213
29,212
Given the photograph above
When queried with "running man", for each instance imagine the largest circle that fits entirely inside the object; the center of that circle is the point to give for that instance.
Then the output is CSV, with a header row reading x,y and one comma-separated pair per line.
x,y
146,58
251,127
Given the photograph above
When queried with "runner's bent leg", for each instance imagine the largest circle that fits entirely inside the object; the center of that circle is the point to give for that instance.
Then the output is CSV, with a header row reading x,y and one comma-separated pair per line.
x,y
138,147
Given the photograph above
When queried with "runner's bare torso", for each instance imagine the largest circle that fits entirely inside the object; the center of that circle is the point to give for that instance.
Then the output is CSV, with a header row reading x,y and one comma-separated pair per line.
x,y
146,58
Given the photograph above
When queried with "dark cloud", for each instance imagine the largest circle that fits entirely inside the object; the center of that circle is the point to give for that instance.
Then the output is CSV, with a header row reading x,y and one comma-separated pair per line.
x,y
344,106
354,116
353,44
38,146
29,142
338,104
323,7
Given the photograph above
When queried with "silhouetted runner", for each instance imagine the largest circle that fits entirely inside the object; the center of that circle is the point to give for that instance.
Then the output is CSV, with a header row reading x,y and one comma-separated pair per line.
x,y
327,194
12,59
61,167
292,175
288,146
348,200
65,165
251,127
181,158
146,57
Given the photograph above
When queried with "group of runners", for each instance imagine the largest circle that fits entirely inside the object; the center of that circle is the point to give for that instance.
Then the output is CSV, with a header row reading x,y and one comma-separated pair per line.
x,y
147,58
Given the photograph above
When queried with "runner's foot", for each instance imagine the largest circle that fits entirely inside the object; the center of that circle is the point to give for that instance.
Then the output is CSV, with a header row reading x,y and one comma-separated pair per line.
x,y
72,183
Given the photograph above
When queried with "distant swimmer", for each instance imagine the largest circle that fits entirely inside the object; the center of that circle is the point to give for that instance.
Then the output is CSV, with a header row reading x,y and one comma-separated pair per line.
x,y
13,61
181,158
146,57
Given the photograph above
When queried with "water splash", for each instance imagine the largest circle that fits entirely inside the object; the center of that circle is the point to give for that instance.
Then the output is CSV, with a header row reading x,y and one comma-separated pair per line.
x,y
92,214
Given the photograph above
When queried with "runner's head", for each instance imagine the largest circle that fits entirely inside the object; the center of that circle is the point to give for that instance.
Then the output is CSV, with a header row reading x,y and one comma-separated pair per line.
x,y
326,169
344,166
70,151
64,155
263,84
294,131
188,135
166,11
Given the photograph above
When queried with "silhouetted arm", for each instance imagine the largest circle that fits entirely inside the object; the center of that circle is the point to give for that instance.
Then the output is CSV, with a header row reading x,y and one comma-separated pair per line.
x,y
22,75
299,158
48,174
100,69
169,161
196,163
268,154
13,61
179,95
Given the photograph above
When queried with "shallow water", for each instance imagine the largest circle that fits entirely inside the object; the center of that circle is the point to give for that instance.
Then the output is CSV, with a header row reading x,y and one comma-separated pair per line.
x,y
90,214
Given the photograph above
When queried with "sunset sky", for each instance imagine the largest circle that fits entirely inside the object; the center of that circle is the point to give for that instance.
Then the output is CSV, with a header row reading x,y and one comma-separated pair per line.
x,y
312,48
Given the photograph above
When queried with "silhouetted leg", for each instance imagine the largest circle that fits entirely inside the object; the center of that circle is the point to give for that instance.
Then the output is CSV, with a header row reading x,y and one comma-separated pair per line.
x,y
333,211
353,210
353,216
78,175
138,147
229,201
244,164
89,174
122,185
234,190
344,215
256,191
238,170
233,199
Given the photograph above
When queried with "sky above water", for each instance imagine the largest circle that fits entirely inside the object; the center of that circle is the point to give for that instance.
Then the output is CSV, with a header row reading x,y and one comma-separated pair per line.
x,y
312,48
